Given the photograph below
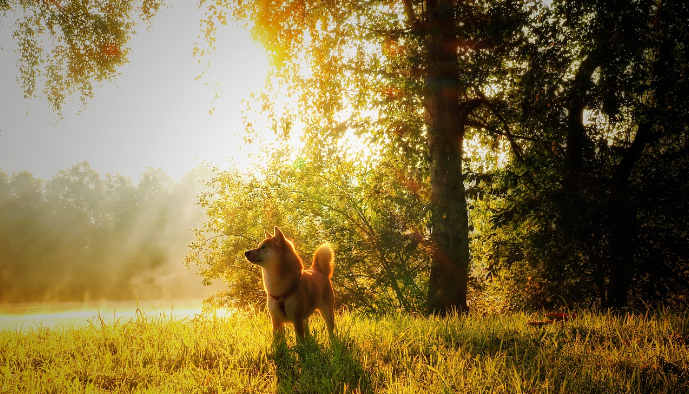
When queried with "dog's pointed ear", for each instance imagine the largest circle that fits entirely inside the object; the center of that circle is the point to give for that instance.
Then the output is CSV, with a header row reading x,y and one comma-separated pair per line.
x,y
278,234
267,234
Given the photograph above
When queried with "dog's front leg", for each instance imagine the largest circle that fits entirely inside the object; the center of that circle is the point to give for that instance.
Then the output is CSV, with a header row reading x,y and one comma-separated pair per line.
x,y
301,327
278,328
307,332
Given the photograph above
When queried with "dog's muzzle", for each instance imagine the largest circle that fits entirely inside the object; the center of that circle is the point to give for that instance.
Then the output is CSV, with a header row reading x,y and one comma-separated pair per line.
x,y
248,254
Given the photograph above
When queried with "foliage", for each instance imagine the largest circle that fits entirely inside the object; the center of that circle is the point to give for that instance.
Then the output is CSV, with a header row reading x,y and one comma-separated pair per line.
x,y
632,353
373,73
591,120
69,46
583,212
375,226
80,236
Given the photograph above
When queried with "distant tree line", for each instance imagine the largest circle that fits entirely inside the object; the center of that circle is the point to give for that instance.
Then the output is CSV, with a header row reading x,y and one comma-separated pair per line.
x,y
83,237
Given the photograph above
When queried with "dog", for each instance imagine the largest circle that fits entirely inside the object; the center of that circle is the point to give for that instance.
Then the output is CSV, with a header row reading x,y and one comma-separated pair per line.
x,y
294,293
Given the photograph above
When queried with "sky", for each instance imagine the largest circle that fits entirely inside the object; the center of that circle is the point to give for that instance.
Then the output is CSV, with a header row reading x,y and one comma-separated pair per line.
x,y
154,114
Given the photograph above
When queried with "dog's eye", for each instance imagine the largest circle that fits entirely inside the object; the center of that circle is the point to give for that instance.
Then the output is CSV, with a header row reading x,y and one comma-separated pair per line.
x,y
263,246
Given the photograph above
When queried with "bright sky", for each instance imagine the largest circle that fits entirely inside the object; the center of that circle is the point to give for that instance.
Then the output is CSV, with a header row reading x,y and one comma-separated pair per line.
x,y
153,115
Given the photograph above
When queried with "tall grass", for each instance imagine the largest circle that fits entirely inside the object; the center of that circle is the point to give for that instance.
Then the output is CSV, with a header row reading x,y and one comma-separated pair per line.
x,y
596,353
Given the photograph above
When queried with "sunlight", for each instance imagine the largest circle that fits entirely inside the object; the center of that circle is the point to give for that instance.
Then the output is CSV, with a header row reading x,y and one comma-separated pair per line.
x,y
166,108
238,79
353,143
485,153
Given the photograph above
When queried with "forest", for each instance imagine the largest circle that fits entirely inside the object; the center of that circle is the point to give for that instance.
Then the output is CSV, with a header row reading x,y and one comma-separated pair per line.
x,y
80,237
484,155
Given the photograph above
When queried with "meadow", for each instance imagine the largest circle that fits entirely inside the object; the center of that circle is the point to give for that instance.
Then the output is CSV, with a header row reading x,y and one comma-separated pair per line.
x,y
594,353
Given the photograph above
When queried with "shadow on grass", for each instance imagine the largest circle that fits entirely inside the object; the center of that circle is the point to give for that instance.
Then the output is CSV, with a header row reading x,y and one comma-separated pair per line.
x,y
584,357
310,367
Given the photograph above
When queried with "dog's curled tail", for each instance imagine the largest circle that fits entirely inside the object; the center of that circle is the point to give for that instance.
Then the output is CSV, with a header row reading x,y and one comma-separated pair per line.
x,y
323,260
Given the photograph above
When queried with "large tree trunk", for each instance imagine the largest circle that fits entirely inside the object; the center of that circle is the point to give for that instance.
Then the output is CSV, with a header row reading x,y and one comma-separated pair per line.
x,y
449,220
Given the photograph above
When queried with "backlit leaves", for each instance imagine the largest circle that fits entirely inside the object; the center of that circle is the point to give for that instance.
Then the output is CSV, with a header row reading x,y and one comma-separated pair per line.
x,y
68,47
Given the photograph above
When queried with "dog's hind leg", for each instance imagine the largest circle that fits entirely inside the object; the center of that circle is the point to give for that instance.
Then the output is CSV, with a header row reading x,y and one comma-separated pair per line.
x,y
330,320
328,314
327,309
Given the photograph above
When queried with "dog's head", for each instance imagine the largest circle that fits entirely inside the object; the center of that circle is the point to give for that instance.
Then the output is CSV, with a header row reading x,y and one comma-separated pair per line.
x,y
268,251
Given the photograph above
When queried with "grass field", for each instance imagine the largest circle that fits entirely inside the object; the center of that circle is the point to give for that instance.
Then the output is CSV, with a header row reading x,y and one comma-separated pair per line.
x,y
595,353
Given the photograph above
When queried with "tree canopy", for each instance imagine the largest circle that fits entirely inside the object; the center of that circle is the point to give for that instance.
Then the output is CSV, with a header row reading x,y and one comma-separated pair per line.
x,y
604,117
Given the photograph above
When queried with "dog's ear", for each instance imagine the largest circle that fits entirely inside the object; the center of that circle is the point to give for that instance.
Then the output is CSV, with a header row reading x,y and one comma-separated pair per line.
x,y
267,234
279,237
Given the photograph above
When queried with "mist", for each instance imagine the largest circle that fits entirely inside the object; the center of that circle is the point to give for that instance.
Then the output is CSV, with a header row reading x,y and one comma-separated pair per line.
x,y
85,237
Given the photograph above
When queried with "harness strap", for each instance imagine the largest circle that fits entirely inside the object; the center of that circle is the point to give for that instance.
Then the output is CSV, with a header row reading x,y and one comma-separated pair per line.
x,y
281,299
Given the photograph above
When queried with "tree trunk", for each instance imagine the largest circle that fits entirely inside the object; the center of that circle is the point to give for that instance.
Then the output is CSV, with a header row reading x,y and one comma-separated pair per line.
x,y
449,218
578,147
620,227
620,258
623,225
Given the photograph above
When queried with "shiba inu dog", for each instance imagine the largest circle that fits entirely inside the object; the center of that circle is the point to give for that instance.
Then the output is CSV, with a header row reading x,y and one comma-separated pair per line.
x,y
294,293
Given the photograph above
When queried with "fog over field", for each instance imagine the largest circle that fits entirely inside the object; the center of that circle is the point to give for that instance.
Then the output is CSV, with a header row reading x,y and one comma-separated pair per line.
x,y
80,236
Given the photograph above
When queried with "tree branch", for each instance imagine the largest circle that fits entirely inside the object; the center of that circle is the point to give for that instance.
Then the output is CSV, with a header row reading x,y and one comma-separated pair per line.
x,y
481,125
412,20
624,168
469,106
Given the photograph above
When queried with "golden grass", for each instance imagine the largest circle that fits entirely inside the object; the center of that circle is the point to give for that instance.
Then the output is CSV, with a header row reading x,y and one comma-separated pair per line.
x,y
595,353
